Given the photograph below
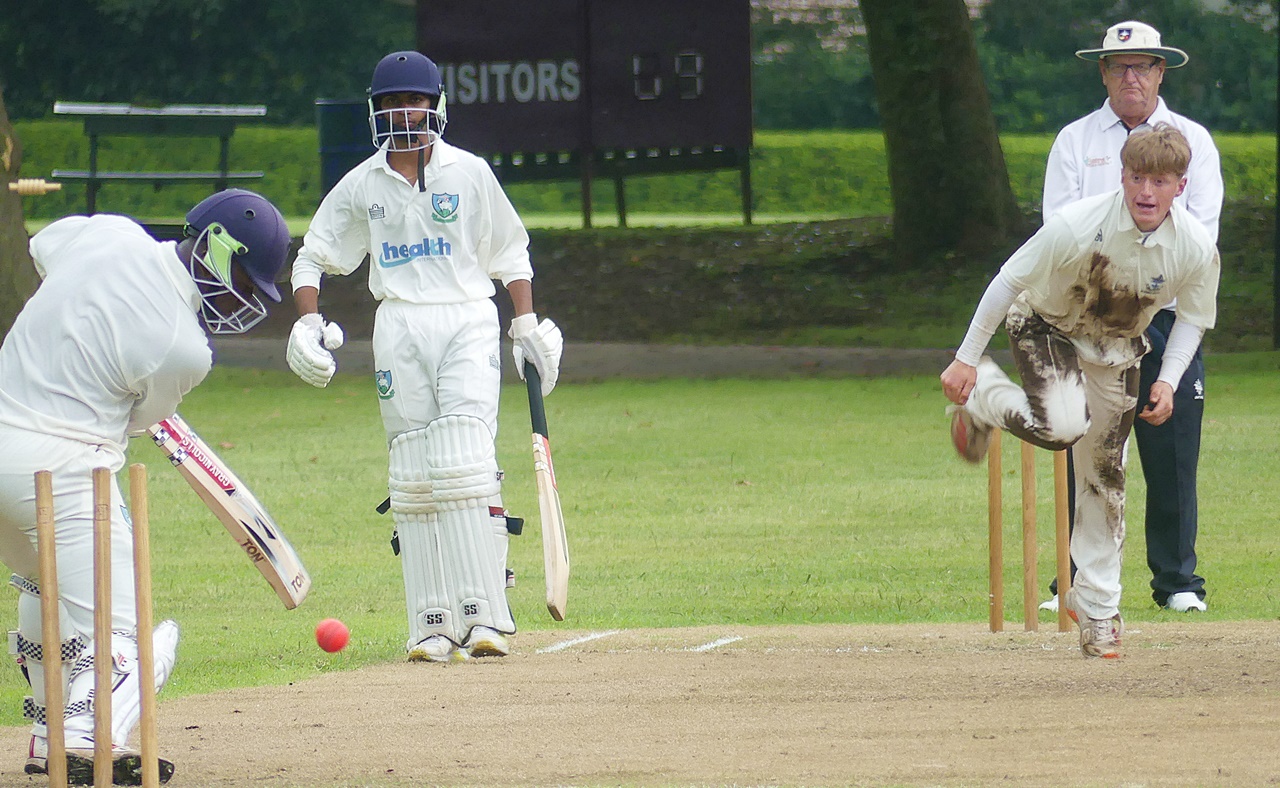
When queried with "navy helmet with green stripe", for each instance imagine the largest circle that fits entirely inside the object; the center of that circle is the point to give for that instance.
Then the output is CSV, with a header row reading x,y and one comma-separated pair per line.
x,y
239,227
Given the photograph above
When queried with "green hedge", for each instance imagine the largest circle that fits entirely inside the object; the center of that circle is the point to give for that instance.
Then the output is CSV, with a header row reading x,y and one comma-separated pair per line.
x,y
805,173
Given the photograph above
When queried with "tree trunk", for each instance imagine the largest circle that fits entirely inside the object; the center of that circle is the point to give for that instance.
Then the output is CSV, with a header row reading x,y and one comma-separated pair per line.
x,y
18,279
947,175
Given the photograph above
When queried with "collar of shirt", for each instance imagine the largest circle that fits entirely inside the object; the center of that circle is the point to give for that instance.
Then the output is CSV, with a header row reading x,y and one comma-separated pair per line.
x,y
176,271
1165,235
442,155
1107,117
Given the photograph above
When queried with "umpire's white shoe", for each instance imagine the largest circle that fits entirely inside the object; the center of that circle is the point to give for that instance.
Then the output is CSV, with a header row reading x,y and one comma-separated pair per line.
x,y
487,642
436,648
1185,602
1050,604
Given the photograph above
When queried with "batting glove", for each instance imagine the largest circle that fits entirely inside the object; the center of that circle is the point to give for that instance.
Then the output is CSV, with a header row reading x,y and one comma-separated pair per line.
x,y
309,344
541,344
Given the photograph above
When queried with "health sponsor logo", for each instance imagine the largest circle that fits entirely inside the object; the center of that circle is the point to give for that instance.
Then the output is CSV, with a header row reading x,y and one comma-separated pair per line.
x,y
383,380
393,256
444,207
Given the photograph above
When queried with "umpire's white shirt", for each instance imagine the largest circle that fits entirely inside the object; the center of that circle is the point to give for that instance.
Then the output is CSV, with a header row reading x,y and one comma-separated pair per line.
x,y
443,245
110,342
1085,161
1092,274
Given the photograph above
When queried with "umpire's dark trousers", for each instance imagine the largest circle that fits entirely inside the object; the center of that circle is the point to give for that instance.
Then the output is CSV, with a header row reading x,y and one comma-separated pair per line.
x,y
1170,455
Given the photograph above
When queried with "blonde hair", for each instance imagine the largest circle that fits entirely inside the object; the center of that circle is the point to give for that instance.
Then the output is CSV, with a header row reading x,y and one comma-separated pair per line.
x,y
1161,151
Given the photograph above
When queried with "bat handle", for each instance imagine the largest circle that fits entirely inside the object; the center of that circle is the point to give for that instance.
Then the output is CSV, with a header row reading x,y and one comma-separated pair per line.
x,y
537,410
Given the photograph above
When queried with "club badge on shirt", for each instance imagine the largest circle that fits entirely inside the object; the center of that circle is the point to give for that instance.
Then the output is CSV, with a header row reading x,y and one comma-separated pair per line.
x,y
383,378
444,207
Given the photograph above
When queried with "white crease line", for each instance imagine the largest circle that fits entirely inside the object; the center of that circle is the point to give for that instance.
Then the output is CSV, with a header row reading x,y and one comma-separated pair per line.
x,y
561,646
717,643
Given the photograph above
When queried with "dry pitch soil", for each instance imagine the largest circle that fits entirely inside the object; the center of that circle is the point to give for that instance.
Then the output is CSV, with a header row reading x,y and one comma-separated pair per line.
x,y
1191,703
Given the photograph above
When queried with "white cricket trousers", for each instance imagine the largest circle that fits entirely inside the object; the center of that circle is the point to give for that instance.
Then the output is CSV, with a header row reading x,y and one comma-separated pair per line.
x,y
437,359
71,462
1067,401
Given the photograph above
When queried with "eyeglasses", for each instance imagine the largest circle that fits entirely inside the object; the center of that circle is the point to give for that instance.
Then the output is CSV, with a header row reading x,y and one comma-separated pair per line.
x,y
1119,69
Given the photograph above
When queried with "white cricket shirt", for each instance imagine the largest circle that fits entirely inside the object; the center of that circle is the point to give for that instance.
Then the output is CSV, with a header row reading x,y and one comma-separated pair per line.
x,y
441,245
1085,161
110,342
1093,275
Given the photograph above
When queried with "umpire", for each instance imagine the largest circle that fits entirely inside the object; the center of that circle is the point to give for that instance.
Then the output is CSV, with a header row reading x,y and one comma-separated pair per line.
x,y
1084,161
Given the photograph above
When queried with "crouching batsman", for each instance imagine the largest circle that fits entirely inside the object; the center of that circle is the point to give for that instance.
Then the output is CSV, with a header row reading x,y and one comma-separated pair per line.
x,y
437,229
109,344
1076,300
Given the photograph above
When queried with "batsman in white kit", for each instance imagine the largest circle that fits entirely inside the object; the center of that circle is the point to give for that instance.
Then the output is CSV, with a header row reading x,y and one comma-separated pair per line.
x,y
108,345
438,229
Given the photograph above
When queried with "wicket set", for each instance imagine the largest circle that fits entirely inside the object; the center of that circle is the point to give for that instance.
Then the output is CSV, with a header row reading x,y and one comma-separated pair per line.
x,y
995,536
51,635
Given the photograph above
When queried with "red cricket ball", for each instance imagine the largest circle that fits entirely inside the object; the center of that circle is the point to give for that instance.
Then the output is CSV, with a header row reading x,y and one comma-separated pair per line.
x,y
332,635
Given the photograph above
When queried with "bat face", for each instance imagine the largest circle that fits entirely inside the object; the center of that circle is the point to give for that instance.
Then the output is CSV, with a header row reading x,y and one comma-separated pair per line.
x,y
236,507
555,542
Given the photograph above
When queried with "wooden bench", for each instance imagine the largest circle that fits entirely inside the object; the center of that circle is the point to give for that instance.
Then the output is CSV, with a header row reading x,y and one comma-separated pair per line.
x,y
176,120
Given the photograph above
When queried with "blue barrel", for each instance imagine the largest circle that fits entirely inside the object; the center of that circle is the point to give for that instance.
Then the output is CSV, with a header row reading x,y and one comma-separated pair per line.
x,y
343,125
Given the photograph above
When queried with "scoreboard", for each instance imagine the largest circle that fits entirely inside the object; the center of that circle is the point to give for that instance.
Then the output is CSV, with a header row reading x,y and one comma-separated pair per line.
x,y
591,75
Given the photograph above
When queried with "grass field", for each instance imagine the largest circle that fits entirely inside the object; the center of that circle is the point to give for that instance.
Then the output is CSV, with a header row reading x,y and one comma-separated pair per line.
x,y
688,503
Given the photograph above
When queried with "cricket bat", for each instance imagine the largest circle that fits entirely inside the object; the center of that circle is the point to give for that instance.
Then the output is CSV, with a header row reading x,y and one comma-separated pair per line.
x,y
555,543
231,501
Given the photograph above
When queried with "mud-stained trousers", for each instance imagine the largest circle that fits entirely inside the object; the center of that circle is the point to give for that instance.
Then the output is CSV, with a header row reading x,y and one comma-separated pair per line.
x,y
1068,401
1170,455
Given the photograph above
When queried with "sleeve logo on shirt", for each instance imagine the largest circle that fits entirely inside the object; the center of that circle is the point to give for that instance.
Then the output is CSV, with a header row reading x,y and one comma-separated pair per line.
x,y
444,207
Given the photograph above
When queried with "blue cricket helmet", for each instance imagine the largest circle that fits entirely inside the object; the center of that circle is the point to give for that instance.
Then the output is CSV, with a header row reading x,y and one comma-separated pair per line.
x,y
402,128
256,225
405,72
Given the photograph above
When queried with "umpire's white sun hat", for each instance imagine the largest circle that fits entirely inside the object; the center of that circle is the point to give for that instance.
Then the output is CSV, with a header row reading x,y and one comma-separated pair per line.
x,y
1135,38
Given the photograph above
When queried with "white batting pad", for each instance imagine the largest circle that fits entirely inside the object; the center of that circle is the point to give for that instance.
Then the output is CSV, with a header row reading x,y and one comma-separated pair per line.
x,y
465,477
413,512
126,699
76,652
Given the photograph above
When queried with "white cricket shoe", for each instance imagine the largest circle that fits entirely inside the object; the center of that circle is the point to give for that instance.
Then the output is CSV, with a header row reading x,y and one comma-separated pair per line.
x,y
487,642
1185,602
1050,604
436,648
970,439
38,755
1099,637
